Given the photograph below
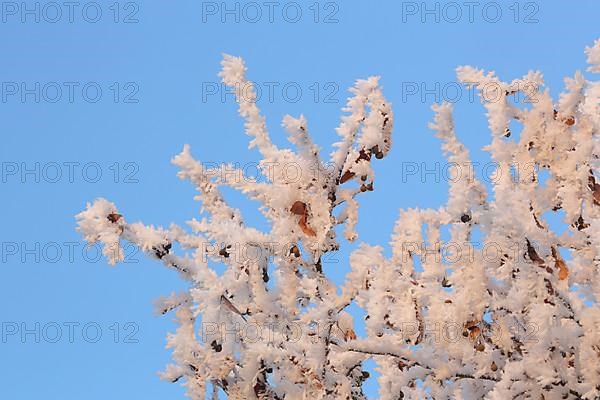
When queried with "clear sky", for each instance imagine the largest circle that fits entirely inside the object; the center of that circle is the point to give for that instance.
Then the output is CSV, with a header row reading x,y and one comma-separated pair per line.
x,y
116,89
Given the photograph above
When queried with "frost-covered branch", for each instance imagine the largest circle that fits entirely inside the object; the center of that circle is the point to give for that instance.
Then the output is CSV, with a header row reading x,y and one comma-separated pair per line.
x,y
514,316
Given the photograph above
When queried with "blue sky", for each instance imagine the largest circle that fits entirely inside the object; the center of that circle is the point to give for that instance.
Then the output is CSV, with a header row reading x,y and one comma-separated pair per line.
x,y
120,96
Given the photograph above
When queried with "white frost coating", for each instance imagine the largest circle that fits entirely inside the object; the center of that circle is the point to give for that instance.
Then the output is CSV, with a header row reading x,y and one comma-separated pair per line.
x,y
593,59
509,317
373,129
95,227
233,74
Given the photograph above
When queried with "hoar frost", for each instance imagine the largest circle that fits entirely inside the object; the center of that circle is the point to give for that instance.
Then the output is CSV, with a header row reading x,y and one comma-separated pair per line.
x,y
272,326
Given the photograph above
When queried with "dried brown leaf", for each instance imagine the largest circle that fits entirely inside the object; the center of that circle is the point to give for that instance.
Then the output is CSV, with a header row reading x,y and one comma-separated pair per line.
x,y
533,255
308,231
298,208
563,271
113,217
349,335
347,176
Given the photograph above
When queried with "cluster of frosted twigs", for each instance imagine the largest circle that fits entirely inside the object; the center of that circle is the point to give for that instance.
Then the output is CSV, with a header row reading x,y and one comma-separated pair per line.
x,y
522,325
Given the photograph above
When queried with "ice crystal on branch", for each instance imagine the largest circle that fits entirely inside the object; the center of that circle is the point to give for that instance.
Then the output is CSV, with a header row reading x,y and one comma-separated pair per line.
x,y
522,320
